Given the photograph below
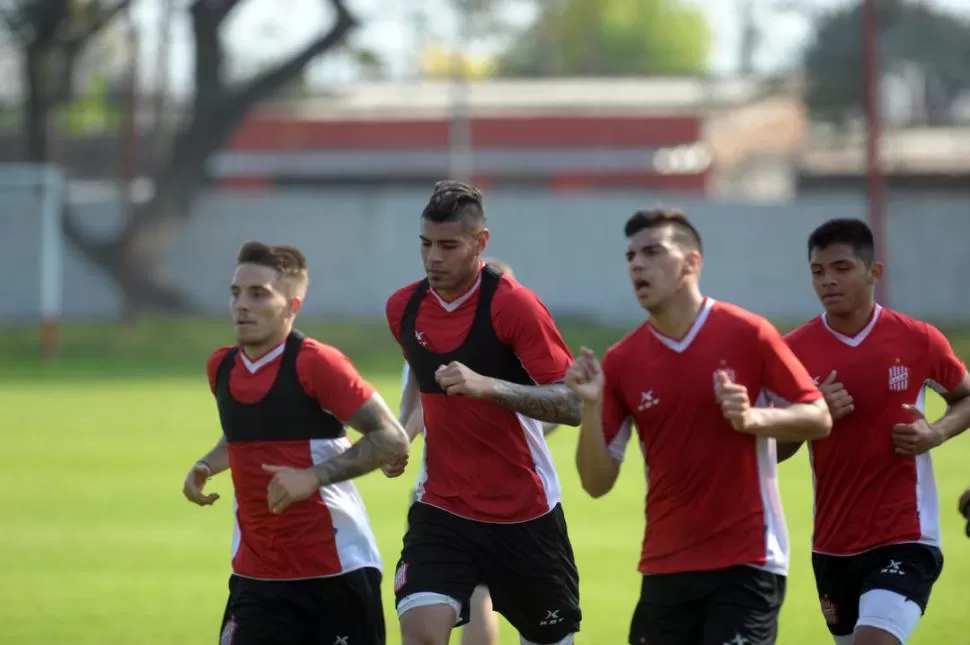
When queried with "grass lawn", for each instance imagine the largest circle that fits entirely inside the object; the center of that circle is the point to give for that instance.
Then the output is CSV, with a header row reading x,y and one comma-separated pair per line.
x,y
97,545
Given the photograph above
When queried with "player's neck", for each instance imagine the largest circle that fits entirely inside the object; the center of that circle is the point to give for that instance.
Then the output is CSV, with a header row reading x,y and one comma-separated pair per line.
x,y
675,319
256,352
461,289
853,322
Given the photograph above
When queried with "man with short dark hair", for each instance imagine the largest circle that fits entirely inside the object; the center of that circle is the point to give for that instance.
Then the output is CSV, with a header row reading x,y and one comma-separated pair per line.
x,y
876,544
482,627
305,565
488,361
715,549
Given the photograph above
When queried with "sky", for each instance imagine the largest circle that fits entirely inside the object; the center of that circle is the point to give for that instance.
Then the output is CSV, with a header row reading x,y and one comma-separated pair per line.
x,y
259,33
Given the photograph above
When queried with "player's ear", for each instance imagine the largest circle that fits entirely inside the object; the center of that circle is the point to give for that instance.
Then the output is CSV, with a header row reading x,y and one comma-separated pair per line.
x,y
876,271
695,262
482,239
295,304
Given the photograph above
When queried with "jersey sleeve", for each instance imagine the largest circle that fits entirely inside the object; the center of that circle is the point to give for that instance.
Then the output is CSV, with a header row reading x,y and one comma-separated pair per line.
x,y
617,421
212,365
946,369
523,322
331,378
784,378
394,310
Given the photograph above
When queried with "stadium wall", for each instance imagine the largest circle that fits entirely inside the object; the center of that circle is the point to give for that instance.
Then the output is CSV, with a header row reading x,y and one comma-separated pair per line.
x,y
362,244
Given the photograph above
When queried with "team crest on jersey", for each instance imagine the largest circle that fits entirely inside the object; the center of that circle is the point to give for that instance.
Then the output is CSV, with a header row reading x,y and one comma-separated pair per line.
x,y
829,610
401,577
898,376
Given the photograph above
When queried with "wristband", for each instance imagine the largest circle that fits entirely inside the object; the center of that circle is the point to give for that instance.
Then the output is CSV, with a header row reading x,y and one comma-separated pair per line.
x,y
203,462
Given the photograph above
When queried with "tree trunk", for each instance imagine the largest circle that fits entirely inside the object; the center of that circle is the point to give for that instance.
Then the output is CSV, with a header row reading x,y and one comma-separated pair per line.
x,y
218,111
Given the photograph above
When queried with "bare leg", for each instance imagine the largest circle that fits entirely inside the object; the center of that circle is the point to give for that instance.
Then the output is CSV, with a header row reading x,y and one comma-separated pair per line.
x,y
427,625
482,628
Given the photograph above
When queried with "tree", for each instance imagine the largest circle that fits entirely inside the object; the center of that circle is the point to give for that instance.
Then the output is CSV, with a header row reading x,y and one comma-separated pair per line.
x,y
611,38
134,257
914,33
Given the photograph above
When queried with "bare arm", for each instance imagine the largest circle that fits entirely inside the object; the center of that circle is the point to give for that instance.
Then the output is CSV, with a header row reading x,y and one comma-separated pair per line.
x,y
956,419
598,470
796,422
410,398
384,440
217,459
554,403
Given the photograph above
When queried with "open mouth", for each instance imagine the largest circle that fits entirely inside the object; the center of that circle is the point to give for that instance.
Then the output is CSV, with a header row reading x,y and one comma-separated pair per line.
x,y
640,283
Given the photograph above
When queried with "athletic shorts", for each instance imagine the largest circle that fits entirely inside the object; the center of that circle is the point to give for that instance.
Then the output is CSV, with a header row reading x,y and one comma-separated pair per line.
x,y
528,567
340,610
909,570
734,605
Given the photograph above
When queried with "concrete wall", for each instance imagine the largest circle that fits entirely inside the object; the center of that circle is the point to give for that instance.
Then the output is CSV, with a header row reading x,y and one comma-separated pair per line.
x,y
362,244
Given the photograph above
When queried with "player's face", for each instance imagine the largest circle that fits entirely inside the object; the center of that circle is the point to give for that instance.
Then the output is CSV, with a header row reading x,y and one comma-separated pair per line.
x,y
451,253
260,308
658,266
842,281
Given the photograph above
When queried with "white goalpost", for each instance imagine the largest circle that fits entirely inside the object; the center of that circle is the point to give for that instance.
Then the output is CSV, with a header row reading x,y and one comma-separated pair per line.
x,y
31,199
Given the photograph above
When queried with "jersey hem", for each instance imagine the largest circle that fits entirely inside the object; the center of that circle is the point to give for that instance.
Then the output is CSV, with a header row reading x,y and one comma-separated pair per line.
x,y
370,565
779,570
552,507
922,542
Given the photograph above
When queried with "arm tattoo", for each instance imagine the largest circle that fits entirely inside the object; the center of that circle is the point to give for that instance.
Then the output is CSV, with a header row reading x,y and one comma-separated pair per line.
x,y
554,403
384,441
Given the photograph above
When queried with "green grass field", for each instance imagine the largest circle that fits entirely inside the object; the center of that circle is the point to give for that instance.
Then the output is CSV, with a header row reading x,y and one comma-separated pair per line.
x,y
97,545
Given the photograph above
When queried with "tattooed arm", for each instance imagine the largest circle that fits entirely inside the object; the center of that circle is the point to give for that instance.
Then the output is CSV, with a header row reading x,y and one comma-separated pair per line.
x,y
554,403
384,441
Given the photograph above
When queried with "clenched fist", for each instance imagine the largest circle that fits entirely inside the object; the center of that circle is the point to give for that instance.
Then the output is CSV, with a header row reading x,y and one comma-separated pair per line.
x,y
734,401
585,377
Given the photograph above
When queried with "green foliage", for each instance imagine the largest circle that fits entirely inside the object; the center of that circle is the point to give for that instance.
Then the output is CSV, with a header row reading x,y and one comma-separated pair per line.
x,y
915,32
611,38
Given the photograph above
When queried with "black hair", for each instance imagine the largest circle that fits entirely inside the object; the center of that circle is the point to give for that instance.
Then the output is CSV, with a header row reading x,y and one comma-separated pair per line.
x,y
854,233
657,217
454,201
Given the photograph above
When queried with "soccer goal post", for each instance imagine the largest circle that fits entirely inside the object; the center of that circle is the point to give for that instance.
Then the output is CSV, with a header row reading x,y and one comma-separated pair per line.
x,y
31,199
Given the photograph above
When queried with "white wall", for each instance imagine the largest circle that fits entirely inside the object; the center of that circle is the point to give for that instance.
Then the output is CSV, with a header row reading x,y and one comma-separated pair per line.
x,y
362,244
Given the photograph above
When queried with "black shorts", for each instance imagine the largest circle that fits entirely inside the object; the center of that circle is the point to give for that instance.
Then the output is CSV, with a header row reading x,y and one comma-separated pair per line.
x,y
739,604
344,609
528,567
907,569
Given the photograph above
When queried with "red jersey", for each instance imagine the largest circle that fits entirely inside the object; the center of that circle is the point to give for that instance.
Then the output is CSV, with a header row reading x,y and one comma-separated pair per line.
x,y
866,495
325,535
481,460
712,492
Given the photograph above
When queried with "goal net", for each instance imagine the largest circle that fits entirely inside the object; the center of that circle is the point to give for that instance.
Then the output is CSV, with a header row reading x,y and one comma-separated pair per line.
x,y
31,248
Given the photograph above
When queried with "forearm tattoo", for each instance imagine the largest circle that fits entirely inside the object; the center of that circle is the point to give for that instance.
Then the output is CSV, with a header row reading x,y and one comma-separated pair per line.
x,y
554,403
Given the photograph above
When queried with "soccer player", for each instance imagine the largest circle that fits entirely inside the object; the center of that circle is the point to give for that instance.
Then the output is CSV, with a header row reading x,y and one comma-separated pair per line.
x,y
488,361
305,565
715,549
482,627
876,544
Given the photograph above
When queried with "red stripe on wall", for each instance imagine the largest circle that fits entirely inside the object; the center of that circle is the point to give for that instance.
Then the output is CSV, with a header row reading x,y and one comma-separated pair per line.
x,y
260,133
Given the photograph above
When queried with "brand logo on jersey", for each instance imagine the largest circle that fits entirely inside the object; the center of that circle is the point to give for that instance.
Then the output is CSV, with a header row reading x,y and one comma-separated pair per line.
x,y
829,610
419,336
894,568
552,618
401,576
817,380
342,640
898,377
647,400
737,640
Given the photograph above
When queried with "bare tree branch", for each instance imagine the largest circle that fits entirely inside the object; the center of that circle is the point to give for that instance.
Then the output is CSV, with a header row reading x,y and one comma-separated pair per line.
x,y
267,83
